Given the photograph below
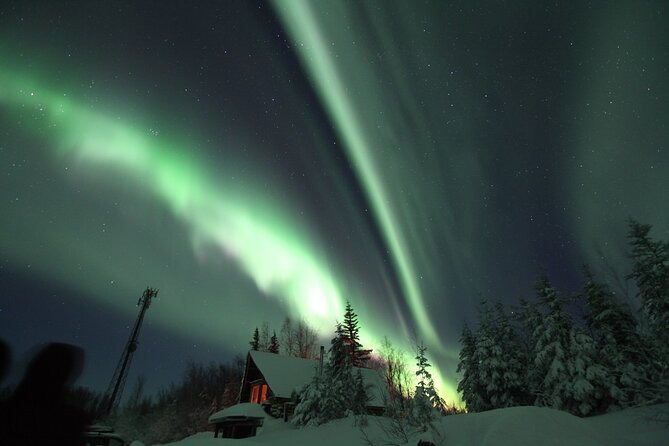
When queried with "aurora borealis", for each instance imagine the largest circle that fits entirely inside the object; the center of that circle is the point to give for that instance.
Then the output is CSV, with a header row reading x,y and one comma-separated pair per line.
x,y
258,160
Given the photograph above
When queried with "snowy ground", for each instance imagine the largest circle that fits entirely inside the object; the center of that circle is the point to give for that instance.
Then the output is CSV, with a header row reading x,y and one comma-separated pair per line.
x,y
518,426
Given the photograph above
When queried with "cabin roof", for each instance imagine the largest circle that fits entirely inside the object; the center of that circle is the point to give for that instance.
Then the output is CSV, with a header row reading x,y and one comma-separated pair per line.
x,y
284,374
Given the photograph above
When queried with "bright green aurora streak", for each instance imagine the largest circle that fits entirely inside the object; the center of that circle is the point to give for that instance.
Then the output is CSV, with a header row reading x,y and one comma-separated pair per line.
x,y
319,60
281,260
369,127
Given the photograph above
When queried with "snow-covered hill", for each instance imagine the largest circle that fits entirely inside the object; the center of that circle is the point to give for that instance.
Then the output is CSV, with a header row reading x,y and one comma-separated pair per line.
x,y
517,426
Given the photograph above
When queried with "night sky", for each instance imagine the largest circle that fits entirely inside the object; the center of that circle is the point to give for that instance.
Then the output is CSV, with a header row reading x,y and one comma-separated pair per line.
x,y
258,160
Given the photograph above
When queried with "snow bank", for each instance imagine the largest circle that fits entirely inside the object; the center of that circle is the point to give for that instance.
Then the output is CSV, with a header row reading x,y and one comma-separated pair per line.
x,y
517,426
242,410
530,426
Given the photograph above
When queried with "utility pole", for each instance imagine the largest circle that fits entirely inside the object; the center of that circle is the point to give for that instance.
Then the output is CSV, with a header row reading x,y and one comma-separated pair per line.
x,y
113,394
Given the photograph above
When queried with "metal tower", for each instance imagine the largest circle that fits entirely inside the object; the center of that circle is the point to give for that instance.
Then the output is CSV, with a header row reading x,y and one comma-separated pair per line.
x,y
113,394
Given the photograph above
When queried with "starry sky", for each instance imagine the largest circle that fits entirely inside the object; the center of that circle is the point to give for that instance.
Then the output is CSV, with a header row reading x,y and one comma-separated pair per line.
x,y
257,160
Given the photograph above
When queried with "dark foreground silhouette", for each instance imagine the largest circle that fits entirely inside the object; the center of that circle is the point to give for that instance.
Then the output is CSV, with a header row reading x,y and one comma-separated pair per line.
x,y
37,413
4,359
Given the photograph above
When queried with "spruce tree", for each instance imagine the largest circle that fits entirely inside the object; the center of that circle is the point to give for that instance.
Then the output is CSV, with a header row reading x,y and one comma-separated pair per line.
x,y
421,414
483,347
255,341
309,409
338,378
351,334
333,393
618,346
273,344
528,317
469,386
426,398
552,348
590,384
500,362
650,270
494,363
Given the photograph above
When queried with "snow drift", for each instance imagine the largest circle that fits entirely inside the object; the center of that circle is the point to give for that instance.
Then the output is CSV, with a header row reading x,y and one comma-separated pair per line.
x,y
516,426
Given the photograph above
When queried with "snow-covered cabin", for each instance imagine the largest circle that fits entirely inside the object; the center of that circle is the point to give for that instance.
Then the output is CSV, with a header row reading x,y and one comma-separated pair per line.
x,y
270,379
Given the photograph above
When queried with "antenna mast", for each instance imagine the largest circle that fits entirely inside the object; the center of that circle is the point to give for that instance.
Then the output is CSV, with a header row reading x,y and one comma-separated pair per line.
x,y
113,394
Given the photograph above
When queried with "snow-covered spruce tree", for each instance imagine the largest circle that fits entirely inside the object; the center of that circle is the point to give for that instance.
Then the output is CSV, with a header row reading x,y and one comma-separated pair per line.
x,y
565,359
483,345
551,351
500,361
618,346
493,363
338,391
309,409
590,383
422,414
338,378
650,271
470,387
351,333
527,318
426,402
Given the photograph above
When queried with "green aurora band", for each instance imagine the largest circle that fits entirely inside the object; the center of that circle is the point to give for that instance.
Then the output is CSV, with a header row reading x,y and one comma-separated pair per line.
x,y
311,41
271,248
267,245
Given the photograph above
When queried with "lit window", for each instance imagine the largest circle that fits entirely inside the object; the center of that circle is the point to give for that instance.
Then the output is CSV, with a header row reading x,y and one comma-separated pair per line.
x,y
254,393
263,394
259,393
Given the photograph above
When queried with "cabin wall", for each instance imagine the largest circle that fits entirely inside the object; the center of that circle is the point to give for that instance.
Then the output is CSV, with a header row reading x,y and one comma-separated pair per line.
x,y
254,387
238,428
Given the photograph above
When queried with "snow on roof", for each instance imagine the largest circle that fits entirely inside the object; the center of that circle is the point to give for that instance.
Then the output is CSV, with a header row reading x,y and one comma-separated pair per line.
x,y
284,373
287,373
242,410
